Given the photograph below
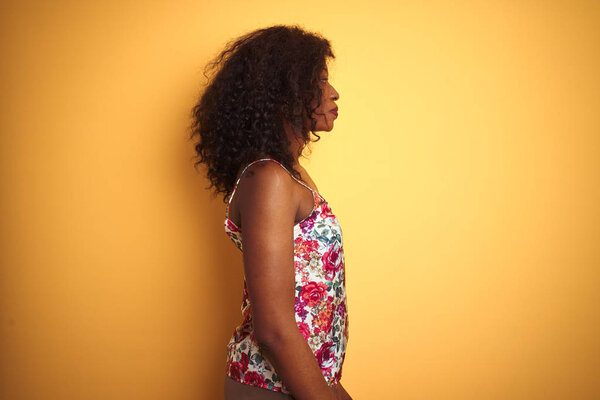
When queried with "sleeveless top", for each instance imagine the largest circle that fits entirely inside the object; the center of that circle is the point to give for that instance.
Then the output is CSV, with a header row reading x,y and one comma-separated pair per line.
x,y
320,305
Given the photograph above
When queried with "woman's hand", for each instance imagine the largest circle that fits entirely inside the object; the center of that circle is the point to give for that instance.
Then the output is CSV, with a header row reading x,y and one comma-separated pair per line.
x,y
340,392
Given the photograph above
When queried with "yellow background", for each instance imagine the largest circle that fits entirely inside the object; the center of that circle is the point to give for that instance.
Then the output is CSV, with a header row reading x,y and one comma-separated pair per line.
x,y
464,169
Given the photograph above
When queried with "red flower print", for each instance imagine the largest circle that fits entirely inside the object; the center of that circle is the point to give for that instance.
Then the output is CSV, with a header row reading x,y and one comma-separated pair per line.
x,y
312,292
305,247
331,261
304,330
254,378
320,306
299,265
325,355
326,211
236,370
231,226
338,374
244,361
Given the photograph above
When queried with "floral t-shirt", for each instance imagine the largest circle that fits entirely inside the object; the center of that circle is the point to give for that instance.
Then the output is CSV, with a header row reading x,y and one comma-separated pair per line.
x,y
320,307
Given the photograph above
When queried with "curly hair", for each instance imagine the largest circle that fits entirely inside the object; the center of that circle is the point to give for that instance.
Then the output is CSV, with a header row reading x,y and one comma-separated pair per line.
x,y
261,77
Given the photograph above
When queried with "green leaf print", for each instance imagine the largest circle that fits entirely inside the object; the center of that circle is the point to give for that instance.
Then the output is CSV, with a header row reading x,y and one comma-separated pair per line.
x,y
256,358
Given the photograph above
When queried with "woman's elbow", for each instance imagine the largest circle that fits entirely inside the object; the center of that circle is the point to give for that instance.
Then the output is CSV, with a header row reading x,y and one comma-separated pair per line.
x,y
271,335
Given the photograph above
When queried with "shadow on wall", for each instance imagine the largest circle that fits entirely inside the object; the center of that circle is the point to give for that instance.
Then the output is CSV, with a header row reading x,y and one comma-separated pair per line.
x,y
219,298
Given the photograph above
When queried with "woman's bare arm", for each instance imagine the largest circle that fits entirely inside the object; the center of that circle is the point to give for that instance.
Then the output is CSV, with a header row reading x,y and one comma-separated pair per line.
x,y
341,393
267,204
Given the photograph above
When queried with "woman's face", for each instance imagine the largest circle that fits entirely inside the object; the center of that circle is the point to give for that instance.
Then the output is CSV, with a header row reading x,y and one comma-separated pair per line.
x,y
327,112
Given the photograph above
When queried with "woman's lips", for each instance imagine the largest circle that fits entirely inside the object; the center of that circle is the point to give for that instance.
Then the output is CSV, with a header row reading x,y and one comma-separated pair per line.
x,y
334,112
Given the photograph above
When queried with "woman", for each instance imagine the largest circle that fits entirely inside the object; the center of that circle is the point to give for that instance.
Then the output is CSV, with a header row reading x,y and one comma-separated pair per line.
x,y
255,117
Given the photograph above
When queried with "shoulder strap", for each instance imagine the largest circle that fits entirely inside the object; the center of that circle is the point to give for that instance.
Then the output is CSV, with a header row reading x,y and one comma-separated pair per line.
x,y
253,162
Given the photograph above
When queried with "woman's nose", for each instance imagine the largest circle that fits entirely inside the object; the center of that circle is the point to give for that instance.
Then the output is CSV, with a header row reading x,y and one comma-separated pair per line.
x,y
334,94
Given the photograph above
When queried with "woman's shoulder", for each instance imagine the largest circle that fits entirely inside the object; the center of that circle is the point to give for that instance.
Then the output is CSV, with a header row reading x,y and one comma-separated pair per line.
x,y
266,178
267,171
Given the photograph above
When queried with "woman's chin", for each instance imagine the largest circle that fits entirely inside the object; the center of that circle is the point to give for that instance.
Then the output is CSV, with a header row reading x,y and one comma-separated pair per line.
x,y
327,128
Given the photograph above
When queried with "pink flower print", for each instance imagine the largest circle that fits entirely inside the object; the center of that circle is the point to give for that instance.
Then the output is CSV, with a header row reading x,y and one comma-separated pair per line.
x,y
341,308
307,225
331,261
300,310
325,356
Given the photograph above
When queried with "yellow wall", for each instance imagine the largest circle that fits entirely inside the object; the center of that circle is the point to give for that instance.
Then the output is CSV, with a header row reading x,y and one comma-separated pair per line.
x,y
464,170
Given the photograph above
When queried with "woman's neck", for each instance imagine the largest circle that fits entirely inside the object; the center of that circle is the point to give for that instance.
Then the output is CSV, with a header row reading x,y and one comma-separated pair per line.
x,y
296,145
